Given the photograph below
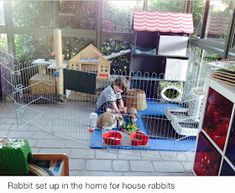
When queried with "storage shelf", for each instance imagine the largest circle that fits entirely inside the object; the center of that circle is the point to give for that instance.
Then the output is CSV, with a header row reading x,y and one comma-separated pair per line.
x,y
217,131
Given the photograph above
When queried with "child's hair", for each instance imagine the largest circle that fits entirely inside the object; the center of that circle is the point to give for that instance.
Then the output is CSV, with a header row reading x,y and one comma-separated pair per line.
x,y
121,83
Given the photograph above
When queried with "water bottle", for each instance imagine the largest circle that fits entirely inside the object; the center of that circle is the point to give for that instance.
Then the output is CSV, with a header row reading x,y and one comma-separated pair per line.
x,y
92,121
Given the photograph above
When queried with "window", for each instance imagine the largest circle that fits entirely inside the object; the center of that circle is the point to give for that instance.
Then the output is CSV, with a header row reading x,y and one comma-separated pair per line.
x,y
2,21
71,46
77,14
117,15
38,14
198,8
219,17
30,47
166,5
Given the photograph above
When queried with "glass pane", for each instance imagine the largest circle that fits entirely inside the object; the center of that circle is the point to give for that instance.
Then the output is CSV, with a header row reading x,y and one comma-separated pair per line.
x,y
119,65
33,13
30,47
205,69
2,21
77,14
117,15
3,42
220,13
217,118
198,11
166,5
71,46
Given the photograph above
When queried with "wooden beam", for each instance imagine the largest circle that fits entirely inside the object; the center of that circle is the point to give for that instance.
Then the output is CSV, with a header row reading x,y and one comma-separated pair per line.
x,y
188,6
230,36
145,7
117,35
205,16
49,31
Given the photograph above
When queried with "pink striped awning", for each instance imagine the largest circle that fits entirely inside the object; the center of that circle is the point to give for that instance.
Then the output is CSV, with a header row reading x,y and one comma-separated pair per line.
x,y
217,25
163,22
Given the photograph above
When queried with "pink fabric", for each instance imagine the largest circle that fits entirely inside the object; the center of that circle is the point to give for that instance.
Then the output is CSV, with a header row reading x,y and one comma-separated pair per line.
x,y
163,22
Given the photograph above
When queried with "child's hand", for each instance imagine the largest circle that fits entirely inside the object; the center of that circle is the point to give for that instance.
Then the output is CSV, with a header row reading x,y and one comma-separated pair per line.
x,y
123,110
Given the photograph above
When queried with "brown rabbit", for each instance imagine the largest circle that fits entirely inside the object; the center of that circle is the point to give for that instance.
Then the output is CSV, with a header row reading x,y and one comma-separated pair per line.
x,y
109,120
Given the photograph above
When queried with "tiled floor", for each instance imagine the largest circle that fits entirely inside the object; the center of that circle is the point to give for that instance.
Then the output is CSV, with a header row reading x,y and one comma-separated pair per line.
x,y
95,162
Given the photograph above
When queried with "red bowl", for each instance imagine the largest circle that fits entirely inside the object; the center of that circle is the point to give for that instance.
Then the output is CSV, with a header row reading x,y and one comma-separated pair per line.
x,y
138,138
112,138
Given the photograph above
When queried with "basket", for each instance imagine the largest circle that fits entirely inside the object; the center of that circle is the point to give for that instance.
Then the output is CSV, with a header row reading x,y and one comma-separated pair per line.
x,y
135,98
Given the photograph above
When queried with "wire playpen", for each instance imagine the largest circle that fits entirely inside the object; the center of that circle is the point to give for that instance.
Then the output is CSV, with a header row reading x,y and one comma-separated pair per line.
x,y
168,111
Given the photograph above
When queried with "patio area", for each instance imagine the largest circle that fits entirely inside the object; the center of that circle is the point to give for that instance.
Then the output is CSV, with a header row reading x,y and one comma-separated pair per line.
x,y
84,161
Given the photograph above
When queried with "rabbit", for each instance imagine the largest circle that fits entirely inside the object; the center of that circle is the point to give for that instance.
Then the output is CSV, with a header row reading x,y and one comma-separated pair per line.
x,y
132,115
109,120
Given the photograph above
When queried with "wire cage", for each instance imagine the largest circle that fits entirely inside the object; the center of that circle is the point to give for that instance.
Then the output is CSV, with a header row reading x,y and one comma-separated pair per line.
x,y
70,115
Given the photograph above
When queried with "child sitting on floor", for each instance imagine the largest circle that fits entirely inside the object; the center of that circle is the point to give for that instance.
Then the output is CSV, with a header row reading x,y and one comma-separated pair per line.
x,y
111,98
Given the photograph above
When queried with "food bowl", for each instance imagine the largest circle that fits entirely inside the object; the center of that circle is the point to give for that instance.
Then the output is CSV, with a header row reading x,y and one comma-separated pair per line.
x,y
112,138
138,138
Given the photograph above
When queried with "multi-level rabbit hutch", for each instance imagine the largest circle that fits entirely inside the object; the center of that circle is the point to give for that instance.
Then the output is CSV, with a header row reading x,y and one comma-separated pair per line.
x,y
160,51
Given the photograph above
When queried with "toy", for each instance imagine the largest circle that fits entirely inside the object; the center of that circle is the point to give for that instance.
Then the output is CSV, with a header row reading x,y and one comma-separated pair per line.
x,y
14,157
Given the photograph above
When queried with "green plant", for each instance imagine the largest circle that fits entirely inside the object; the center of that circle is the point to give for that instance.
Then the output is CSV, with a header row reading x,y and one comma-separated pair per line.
x,y
31,47
129,128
